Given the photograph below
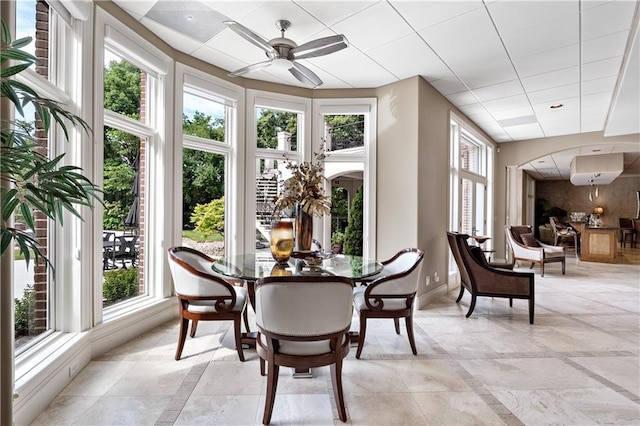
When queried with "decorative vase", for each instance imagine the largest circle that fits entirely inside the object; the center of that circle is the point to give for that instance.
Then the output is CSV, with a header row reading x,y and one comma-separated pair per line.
x,y
304,229
281,243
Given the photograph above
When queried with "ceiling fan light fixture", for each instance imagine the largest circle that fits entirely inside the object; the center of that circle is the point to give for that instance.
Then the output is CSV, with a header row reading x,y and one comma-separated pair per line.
x,y
282,64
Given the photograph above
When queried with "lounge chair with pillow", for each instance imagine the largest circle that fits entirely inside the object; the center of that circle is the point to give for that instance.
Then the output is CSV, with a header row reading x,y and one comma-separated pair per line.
x,y
525,247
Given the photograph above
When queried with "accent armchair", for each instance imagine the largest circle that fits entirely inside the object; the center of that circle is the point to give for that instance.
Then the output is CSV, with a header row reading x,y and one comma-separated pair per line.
x,y
205,296
525,247
480,279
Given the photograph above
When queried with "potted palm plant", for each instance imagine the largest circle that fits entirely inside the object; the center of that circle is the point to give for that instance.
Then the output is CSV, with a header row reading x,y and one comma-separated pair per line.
x,y
32,182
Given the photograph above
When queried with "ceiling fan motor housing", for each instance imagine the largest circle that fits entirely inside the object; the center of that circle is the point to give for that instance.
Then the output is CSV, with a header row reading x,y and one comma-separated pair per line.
x,y
283,46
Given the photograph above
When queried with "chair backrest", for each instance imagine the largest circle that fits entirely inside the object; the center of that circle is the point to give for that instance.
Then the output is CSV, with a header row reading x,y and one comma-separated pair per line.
x,y
515,233
127,246
455,241
304,306
400,275
555,223
624,222
192,274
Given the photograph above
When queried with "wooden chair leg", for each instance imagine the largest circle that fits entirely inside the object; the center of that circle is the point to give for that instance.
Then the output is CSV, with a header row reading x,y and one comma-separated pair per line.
x,y
245,315
409,323
563,266
194,326
272,384
542,268
363,331
182,336
396,322
238,335
511,302
531,305
472,306
336,381
461,293
262,373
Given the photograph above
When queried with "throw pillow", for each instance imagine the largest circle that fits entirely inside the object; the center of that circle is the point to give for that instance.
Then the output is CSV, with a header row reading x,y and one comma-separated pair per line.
x,y
529,240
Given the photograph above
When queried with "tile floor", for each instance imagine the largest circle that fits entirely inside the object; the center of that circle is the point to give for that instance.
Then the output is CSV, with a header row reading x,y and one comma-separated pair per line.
x,y
579,364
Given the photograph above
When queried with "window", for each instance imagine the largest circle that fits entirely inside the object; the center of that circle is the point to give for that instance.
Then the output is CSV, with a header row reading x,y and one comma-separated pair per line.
x,y
34,286
343,131
204,172
470,173
133,91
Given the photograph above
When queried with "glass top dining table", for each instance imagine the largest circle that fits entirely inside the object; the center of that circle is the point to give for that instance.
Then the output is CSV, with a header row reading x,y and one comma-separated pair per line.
x,y
251,267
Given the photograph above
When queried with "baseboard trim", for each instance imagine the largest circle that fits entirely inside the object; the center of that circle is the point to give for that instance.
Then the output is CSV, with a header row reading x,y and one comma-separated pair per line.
x,y
425,299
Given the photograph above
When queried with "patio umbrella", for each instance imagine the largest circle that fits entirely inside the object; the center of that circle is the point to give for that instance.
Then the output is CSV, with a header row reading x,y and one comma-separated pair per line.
x,y
132,218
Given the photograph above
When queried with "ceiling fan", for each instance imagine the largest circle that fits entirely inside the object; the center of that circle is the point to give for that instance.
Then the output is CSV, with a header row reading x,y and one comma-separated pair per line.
x,y
283,52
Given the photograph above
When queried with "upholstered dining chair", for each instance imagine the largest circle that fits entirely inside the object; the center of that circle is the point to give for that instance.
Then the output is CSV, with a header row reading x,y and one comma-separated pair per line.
x,y
525,247
627,229
479,278
303,322
205,296
390,294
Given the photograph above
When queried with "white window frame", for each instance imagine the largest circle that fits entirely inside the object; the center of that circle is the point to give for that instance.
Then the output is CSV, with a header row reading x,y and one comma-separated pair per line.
x,y
360,158
113,35
261,99
232,97
459,129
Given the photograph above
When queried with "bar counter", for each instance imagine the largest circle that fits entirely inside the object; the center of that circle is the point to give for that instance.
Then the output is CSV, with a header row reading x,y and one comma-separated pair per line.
x,y
597,244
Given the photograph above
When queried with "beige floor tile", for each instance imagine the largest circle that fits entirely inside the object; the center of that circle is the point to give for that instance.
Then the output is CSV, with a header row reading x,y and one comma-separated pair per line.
x,y
220,410
124,410
542,407
623,371
151,378
65,410
384,409
456,408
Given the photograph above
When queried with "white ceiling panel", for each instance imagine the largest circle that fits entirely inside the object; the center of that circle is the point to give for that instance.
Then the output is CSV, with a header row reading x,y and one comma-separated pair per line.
x,y
552,79
516,57
332,12
448,85
511,16
548,36
424,14
457,34
599,69
351,71
486,74
604,47
555,95
174,39
598,85
500,90
409,56
608,18
551,60
373,26
262,20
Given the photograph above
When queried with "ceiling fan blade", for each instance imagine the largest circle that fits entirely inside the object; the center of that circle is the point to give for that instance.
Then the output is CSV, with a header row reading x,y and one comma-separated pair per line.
x,y
319,47
305,75
252,37
252,67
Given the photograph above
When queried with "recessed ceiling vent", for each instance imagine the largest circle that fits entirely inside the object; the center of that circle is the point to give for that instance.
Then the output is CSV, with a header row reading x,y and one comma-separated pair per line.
x,y
596,169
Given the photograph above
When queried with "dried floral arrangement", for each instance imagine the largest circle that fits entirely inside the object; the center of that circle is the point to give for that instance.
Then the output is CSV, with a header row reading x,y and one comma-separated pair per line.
x,y
304,187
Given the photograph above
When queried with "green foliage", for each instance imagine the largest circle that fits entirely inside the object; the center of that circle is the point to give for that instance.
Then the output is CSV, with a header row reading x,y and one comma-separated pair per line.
x,y
353,234
337,237
339,208
203,126
114,214
270,122
194,235
209,218
347,130
202,180
122,88
34,183
25,313
119,285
